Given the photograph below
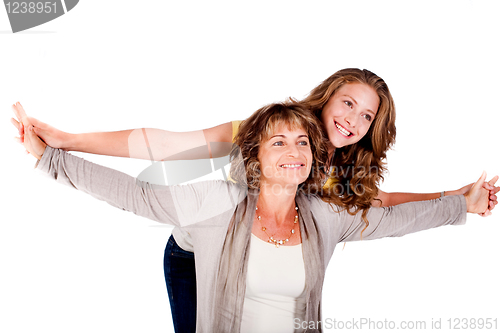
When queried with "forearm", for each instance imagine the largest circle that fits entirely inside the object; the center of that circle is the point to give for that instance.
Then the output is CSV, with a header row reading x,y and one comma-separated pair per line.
x,y
399,220
101,143
142,143
116,188
412,217
397,198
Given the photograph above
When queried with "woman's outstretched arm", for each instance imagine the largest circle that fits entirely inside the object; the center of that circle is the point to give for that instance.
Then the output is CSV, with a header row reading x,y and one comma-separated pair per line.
x,y
142,143
385,199
176,205
410,217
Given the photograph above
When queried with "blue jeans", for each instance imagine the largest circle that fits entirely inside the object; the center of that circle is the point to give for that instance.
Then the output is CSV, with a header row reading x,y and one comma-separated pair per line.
x,y
180,277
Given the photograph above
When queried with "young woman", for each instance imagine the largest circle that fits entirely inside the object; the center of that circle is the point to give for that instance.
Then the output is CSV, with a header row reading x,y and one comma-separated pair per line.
x,y
357,112
262,242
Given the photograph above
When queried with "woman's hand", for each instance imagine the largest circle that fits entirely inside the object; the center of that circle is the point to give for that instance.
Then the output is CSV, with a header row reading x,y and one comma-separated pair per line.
x,y
27,137
488,186
478,198
493,200
50,135
33,144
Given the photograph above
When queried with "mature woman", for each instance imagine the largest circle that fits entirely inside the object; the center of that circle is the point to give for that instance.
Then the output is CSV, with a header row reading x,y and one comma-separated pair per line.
x,y
262,242
357,113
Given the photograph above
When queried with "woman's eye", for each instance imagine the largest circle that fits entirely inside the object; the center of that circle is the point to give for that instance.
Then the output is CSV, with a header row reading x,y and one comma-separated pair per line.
x,y
278,143
303,143
348,103
368,117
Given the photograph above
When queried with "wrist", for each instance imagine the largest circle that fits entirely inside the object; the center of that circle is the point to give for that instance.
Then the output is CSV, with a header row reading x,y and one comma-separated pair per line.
x,y
39,157
467,203
70,142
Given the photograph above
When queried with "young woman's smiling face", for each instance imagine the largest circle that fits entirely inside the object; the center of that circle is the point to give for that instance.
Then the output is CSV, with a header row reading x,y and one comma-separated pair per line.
x,y
285,158
348,114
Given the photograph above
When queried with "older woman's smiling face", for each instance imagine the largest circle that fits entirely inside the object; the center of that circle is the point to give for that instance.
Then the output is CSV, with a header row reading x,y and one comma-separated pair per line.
x,y
286,157
349,113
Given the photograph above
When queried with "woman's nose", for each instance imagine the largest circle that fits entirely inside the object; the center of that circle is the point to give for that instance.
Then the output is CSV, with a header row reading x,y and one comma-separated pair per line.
x,y
351,119
293,150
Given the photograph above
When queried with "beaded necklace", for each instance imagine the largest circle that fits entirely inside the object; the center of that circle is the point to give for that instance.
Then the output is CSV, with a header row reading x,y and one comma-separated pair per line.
x,y
278,242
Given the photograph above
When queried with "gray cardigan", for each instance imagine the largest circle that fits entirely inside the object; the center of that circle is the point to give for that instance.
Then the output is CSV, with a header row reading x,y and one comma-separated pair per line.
x,y
205,210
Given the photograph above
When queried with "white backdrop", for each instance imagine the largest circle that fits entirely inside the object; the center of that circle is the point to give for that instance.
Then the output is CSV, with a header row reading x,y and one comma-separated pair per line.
x,y
70,263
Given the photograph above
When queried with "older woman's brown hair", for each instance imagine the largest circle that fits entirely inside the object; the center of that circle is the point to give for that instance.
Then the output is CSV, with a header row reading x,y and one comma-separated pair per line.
x,y
259,127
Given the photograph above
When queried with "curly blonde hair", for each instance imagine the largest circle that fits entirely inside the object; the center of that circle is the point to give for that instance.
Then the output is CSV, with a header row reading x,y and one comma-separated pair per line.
x,y
260,126
359,167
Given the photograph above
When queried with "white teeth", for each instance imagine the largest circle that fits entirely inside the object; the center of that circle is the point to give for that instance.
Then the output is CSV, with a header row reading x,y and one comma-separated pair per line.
x,y
291,165
343,130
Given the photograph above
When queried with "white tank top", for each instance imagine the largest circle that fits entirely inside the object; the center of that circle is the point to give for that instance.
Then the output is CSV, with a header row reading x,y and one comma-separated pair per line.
x,y
275,288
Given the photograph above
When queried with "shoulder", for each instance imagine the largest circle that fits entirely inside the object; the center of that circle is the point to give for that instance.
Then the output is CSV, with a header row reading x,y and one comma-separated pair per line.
x,y
236,127
206,200
318,204
322,211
